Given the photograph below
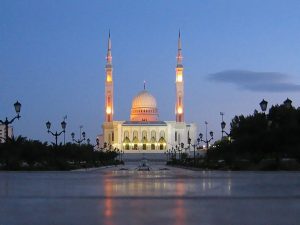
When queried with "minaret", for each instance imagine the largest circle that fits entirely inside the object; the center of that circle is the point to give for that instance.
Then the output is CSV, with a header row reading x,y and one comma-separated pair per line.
x,y
179,108
109,85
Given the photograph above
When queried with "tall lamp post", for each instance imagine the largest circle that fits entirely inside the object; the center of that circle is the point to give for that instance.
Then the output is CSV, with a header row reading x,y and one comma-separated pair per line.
x,y
222,115
206,141
223,125
194,146
80,140
6,122
56,134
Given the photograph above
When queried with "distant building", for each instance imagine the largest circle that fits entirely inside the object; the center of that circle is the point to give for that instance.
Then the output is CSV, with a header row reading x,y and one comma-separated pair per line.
x,y
144,131
3,132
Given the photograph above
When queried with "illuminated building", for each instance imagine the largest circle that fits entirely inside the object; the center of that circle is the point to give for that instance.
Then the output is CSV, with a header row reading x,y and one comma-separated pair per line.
x,y
144,131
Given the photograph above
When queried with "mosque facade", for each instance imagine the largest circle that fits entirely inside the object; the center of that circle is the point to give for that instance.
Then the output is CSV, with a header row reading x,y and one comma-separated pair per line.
x,y
143,131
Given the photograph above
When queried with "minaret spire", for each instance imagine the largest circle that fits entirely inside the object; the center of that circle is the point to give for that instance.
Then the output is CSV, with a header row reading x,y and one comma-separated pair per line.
x,y
109,85
179,106
108,56
179,53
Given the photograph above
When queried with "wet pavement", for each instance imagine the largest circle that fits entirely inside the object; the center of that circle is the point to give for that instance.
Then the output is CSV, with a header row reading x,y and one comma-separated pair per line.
x,y
164,195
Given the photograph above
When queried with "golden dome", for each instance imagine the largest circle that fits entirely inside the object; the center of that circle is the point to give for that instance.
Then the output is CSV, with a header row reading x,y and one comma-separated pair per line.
x,y
144,107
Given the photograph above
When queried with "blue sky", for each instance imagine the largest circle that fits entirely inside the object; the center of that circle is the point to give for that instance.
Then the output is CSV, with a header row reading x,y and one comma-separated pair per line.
x,y
52,58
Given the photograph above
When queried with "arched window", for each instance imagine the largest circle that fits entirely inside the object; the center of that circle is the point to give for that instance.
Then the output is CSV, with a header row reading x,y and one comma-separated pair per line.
x,y
153,134
127,147
144,139
162,134
162,143
152,146
175,135
126,134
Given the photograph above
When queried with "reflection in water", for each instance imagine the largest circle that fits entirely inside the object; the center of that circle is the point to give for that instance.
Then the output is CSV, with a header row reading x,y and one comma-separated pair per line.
x,y
229,185
108,202
145,185
180,213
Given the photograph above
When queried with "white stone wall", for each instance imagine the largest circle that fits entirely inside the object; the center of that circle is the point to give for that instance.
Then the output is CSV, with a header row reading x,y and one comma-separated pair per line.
x,y
118,129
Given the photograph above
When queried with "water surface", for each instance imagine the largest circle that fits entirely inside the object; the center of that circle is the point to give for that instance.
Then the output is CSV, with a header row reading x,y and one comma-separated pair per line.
x,y
176,196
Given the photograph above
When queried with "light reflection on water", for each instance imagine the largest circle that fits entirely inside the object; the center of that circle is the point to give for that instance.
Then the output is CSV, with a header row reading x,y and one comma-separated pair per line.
x,y
161,184
145,188
170,197
179,210
137,187
108,203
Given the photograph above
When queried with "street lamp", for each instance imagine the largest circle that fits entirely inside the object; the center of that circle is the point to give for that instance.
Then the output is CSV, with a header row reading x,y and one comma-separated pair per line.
x,y
56,134
194,146
89,142
180,149
17,106
223,125
80,140
263,105
121,154
168,154
206,141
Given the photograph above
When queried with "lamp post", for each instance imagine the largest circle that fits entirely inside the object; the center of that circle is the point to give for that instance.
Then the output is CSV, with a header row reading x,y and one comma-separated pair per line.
x,y
223,125
89,142
122,153
56,134
65,118
206,141
168,153
80,140
175,152
6,122
194,146
180,149
263,105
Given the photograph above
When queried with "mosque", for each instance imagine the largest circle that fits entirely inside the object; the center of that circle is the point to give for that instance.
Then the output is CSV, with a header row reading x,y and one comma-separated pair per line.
x,y
144,132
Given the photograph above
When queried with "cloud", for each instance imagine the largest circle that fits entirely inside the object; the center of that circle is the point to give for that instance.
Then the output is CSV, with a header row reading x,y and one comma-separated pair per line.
x,y
256,81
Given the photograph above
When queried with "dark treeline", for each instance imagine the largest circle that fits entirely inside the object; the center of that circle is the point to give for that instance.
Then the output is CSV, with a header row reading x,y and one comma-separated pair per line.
x,y
23,154
259,141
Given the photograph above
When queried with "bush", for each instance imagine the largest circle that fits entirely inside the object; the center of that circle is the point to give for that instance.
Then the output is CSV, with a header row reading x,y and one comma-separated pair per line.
x,y
21,153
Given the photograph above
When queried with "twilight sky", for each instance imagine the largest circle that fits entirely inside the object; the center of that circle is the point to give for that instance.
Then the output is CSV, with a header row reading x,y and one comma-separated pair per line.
x,y
236,52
